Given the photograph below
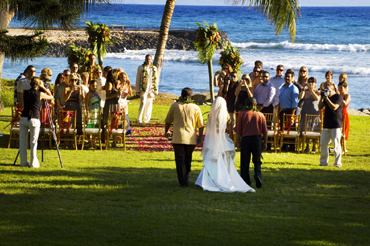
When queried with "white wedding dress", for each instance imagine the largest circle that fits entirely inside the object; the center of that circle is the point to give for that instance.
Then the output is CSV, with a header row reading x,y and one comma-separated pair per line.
x,y
219,172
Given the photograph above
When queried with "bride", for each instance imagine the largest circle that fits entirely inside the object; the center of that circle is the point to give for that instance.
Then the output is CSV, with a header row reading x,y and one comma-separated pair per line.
x,y
219,172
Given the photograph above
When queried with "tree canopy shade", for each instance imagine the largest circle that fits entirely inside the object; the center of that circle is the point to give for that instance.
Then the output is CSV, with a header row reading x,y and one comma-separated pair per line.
x,y
280,13
37,14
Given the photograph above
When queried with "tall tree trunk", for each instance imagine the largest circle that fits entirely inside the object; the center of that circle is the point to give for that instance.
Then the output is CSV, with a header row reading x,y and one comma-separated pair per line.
x,y
210,73
6,15
100,60
163,34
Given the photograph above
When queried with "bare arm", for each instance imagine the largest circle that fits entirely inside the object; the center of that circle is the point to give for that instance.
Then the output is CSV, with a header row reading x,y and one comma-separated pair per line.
x,y
67,92
200,137
346,99
301,95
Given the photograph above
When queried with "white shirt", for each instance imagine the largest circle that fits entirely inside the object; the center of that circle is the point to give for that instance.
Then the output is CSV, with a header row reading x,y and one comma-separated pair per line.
x,y
23,85
277,82
100,82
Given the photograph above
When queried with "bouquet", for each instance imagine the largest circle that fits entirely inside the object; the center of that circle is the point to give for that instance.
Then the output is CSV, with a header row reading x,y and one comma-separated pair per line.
x,y
78,55
231,56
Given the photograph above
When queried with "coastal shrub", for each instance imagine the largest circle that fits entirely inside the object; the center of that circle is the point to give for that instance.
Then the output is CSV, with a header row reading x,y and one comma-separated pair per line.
x,y
7,92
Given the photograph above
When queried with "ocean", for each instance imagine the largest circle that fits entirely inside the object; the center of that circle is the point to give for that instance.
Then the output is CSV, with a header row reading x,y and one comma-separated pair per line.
x,y
327,38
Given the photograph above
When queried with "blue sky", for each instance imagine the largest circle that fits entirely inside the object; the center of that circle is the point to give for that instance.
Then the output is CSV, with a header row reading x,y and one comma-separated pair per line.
x,y
222,2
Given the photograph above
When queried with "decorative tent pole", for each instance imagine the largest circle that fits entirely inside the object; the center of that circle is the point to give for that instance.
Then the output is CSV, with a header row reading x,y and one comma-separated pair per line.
x,y
208,39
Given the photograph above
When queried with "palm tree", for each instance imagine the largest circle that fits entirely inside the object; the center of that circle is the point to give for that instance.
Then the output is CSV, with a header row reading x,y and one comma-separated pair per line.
x,y
163,34
280,13
42,14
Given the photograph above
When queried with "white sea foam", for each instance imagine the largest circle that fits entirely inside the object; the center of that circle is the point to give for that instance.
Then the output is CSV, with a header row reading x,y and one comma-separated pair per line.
x,y
297,46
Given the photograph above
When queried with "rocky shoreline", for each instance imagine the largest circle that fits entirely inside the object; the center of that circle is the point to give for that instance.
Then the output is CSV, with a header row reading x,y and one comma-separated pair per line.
x,y
125,40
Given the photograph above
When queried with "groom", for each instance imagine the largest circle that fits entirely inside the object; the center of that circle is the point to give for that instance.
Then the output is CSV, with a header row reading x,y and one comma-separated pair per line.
x,y
186,118
250,125
146,88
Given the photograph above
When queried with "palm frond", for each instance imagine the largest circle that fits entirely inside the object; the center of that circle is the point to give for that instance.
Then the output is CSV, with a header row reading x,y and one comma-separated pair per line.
x,y
280,13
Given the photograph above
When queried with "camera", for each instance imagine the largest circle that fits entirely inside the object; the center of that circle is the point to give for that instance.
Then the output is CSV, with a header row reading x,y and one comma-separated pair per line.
x,y
325,92
306,84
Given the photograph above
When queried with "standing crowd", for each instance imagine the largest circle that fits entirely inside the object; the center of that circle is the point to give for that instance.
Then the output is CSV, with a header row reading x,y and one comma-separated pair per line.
x,y
93,89
239,111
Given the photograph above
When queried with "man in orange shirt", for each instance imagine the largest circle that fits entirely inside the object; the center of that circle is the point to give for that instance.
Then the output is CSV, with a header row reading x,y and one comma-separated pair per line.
x,y
186,118
250,125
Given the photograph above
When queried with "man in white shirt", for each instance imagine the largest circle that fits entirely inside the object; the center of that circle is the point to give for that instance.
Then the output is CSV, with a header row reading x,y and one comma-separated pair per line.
x,y
277,82
147,88
24,84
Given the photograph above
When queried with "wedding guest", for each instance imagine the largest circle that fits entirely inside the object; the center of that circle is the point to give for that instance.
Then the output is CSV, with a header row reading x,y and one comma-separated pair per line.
x,y
58,81
112,94
331,131
328,77
100,83
303,76
219,172
257,64
19,78
265,94
277,82
85,82
24,84
342,77
92,66
250,125
66,74
310,97
230,89
256,79
92,102
74,70
106,70
186,118
242,92
288,99
343,91
30,121
222,76
147,88
72,96
59,91
125,83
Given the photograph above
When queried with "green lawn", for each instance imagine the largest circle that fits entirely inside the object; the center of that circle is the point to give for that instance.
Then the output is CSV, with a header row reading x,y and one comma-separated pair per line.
x,y
133,198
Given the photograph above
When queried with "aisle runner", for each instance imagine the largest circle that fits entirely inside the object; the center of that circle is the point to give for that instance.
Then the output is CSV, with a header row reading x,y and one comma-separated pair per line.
x,y
149,137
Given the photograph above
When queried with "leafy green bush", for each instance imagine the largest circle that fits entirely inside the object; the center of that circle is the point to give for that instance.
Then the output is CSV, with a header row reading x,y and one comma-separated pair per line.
x,y
7,92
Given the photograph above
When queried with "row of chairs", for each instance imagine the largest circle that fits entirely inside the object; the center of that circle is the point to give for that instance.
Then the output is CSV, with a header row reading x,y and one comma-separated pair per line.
x,y
65,128
290,133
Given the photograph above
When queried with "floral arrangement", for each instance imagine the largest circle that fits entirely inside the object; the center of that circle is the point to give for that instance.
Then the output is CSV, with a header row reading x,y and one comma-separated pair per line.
x,y
145,78
185,100
231,56
78,55
99,37
208,39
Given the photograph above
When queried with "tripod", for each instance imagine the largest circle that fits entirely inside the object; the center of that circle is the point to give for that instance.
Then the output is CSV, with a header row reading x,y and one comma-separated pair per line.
x,y
52,129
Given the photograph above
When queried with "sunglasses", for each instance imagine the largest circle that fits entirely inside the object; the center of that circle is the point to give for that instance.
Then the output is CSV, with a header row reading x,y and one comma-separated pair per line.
x,y
280,69
303,71
265,76
73,79
256,71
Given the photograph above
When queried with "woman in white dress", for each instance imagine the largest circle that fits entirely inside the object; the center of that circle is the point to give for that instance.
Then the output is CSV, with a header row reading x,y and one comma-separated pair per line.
x,y
219,172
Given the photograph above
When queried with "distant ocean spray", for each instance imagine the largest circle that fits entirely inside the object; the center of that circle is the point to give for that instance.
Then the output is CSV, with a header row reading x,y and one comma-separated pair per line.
x,y
331,38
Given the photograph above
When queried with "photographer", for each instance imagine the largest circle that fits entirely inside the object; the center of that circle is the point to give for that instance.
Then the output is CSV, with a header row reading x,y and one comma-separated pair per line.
x,y
30,120
333,104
